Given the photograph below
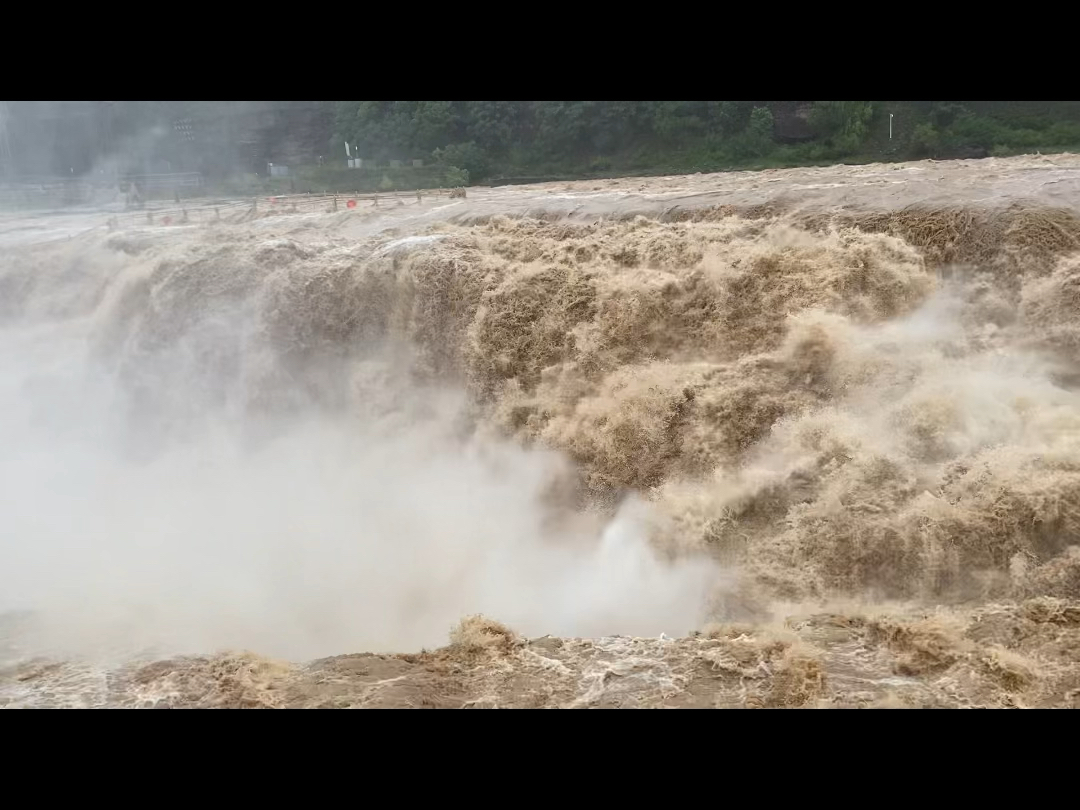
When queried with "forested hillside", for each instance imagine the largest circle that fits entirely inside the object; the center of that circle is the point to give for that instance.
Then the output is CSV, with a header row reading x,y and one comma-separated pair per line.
x,y
520,139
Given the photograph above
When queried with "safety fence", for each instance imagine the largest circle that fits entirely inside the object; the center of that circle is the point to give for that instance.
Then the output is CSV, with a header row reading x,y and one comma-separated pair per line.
x,y
207,211
42,193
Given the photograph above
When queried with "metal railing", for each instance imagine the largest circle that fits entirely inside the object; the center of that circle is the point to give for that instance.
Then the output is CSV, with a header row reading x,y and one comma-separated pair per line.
x,y
208,211
62,192
164,181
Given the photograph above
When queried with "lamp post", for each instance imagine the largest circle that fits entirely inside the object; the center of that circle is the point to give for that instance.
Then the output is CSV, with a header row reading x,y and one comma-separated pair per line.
x,y
890,126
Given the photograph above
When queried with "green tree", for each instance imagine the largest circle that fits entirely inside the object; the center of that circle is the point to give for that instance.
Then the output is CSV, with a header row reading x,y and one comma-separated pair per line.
x,y
561,126
434,124
494,125
843,125
730,117
757,139
468,156
678,120
924,141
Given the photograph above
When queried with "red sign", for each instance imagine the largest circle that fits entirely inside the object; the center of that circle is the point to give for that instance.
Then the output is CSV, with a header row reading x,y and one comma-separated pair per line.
x,y
351,204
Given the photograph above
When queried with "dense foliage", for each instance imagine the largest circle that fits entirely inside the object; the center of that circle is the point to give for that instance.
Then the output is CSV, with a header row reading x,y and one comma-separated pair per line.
x,y
488,139
459,142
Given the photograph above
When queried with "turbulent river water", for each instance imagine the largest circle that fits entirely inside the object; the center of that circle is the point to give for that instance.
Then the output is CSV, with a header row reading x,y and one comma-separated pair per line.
x,y
729,456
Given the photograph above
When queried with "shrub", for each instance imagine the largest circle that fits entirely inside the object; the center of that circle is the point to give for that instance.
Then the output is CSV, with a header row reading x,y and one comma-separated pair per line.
x,y
456,176
924,141
467,156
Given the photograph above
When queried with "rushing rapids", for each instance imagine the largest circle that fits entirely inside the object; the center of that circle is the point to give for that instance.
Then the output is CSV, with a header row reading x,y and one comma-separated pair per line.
x,y
764,457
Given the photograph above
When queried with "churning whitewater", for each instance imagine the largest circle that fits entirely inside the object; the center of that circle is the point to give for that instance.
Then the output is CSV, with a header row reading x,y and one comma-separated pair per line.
x,y
744,458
